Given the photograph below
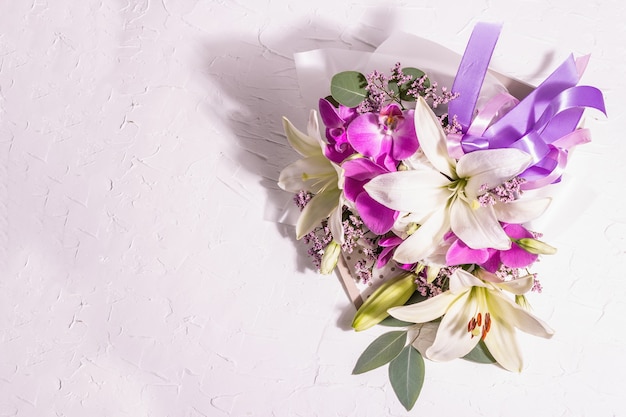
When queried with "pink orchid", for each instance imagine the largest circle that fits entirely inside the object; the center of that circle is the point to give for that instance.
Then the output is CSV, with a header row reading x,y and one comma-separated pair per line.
x,y
387,137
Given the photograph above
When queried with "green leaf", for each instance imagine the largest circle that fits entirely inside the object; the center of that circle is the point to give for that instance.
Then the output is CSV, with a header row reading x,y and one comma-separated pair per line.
x,y
393,88
332,101
406,374
480,354
394,322
348,88
416,297
381,351
415,74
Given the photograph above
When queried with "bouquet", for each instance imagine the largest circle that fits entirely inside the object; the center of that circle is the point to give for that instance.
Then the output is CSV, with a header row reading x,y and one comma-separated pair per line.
x,y
423,195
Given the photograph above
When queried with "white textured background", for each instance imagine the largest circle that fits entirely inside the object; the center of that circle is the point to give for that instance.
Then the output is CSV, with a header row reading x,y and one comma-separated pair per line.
x,y
140,142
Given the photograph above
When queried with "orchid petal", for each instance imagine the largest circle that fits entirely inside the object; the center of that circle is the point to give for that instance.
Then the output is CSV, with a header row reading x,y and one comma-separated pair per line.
x,y
378,218
423,241
417,191
404,138
521,211
516,257
303,144
459,254
316,210
432,138
489,168
453,340
365,136
478,228
362,169
329,114
426,310
310,174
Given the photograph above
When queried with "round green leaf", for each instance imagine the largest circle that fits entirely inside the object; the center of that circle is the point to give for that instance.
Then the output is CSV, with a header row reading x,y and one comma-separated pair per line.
x,y
332,101
406,374
348,88
381,351
415,74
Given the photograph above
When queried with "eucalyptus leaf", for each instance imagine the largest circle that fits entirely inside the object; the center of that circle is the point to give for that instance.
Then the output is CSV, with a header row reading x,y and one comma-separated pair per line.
x,y
381,351
332,101
393,87
415,74
406,374
348,88
480,354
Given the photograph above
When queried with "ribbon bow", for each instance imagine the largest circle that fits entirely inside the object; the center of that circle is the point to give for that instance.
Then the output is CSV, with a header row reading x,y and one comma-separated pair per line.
x,y
544,124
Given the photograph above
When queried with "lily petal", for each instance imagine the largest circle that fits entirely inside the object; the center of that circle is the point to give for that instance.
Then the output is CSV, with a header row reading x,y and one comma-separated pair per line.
x,y
462,280
378,218
502,344
432,138
490,168
335,223
521,211
316,210
426,310
517,286
423,336
453,340
423,241
303,144
519,317
417,191
478,228
311,174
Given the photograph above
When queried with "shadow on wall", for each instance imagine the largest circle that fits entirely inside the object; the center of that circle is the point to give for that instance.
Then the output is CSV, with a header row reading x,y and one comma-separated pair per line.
x,y
260,76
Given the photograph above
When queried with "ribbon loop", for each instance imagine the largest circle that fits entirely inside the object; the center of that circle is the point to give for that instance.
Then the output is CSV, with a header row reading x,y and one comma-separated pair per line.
x,y
544,124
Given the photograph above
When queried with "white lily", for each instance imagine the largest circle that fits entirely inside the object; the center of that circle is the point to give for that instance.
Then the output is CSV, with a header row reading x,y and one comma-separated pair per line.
x,y
472,310
441,194
316,174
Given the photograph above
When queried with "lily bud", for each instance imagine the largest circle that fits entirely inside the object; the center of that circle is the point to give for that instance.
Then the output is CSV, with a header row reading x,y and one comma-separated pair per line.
x,y
393,293
330,257
535,246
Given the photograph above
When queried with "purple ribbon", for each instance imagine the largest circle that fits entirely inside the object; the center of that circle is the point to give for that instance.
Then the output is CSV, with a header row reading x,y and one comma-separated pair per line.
x,y
544,124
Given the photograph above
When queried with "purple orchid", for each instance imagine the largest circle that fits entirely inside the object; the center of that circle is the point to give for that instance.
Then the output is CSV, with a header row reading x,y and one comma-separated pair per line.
x,y
358,172
387,137
389,245
336,121
491,259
